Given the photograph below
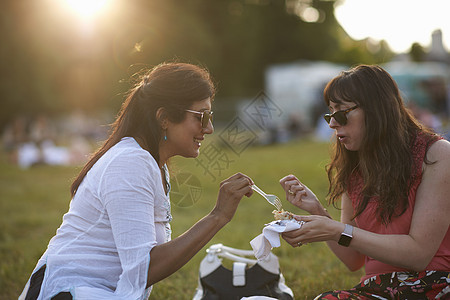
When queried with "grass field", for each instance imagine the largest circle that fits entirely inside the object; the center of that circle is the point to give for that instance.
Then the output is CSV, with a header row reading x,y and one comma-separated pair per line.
x,y
33,201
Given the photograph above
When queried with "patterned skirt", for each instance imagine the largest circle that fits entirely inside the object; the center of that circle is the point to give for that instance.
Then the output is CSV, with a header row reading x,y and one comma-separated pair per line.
x,y
398,285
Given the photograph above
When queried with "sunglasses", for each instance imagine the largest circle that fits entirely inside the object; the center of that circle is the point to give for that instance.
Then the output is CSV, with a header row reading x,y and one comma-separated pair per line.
x,y
340,116
206,116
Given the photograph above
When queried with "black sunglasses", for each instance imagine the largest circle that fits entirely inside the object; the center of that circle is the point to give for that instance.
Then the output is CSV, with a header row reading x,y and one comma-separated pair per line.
x,y
206,116
340,116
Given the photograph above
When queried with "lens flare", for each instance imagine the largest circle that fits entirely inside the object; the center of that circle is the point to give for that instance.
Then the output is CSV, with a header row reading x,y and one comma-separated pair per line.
x,y
87,8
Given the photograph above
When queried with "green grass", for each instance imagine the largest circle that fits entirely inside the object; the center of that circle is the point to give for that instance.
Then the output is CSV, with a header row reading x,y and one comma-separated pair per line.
x,y
33,201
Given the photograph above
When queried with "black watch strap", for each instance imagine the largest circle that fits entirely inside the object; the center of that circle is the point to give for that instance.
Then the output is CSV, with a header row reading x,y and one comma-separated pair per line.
x,y
346,236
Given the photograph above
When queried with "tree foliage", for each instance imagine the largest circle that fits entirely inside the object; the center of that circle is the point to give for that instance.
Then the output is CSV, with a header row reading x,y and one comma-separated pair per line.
x,y
417,52
52,62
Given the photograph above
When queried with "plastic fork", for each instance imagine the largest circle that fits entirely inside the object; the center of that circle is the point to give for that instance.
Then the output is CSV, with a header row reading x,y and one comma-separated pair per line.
x,y
272,199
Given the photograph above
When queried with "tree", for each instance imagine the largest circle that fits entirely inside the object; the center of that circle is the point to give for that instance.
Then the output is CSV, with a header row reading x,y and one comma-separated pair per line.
x,y
417,53
50,64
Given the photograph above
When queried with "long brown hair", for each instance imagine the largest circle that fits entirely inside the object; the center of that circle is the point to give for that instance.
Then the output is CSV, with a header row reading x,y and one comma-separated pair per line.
x,y
172,86
385,160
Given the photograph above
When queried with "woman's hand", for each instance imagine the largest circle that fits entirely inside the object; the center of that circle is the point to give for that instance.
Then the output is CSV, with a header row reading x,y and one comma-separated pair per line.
x,y
315,229
301,196
231,192
168,257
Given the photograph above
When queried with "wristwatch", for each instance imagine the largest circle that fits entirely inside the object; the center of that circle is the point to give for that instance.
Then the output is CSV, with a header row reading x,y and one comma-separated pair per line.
x,y
346,236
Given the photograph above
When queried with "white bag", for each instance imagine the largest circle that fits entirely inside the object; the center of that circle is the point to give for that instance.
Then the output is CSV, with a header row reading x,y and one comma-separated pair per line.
x,y
248,277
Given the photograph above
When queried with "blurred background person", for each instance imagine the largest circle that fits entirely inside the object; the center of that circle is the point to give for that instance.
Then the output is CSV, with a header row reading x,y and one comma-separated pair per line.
x,y
14,135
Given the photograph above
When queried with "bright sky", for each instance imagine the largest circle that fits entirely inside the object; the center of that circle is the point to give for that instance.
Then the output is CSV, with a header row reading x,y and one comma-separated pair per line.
x,y
399,22
87,8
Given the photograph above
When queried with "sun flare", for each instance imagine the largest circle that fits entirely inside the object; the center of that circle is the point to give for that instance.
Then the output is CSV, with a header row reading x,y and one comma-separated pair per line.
x,y
87,8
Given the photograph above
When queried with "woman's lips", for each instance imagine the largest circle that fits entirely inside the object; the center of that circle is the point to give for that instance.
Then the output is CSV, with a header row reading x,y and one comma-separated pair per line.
x,y
342,138
198,141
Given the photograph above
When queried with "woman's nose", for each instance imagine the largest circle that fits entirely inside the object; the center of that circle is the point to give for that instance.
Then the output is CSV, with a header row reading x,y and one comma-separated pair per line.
x,y
333,123
209,129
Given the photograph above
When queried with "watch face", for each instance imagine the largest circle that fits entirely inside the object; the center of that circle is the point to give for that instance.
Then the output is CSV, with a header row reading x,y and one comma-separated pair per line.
x,y
345,240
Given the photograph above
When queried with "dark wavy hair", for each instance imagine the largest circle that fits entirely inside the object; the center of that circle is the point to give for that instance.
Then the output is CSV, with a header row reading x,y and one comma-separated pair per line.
x,y
172,86
385,160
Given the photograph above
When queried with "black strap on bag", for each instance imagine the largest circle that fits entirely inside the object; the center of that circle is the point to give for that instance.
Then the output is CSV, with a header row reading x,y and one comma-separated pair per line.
x,y
247,278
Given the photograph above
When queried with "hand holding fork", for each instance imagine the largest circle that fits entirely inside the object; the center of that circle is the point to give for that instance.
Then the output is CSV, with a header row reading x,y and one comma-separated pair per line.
x,y
272,199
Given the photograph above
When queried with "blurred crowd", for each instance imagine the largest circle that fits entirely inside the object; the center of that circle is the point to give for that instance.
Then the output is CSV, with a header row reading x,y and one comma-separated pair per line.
x,y
435,116
69,140
41,140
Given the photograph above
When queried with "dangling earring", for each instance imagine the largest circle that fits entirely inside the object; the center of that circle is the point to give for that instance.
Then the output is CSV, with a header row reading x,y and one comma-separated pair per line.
x,y
165,135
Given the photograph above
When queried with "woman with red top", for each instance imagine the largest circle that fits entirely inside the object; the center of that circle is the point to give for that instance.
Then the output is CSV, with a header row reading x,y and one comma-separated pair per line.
x,y
392,177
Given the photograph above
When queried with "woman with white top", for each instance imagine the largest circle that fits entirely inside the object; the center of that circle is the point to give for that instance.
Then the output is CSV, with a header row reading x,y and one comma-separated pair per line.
x,y
115,240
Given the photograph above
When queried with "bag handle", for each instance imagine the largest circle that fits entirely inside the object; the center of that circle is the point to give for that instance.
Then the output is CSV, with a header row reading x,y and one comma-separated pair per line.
x,y
231,253
240,252
237,258
211,261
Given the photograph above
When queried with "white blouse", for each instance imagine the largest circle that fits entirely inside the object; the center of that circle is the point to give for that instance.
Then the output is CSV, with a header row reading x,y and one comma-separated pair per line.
x,y
119,213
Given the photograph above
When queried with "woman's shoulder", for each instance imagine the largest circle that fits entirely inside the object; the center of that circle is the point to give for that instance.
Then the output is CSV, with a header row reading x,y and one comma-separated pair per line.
x,y
129,146
438,156
128,151
439,150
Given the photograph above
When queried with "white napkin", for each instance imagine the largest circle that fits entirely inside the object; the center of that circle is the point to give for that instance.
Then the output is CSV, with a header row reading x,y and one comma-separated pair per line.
x,y
263,243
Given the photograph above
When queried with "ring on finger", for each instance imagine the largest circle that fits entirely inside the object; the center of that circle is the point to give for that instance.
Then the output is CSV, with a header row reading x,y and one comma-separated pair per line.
x,y
299,244
290,192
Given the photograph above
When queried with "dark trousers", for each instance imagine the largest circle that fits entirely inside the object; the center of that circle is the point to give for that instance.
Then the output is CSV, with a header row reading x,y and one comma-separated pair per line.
x,y
35,287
